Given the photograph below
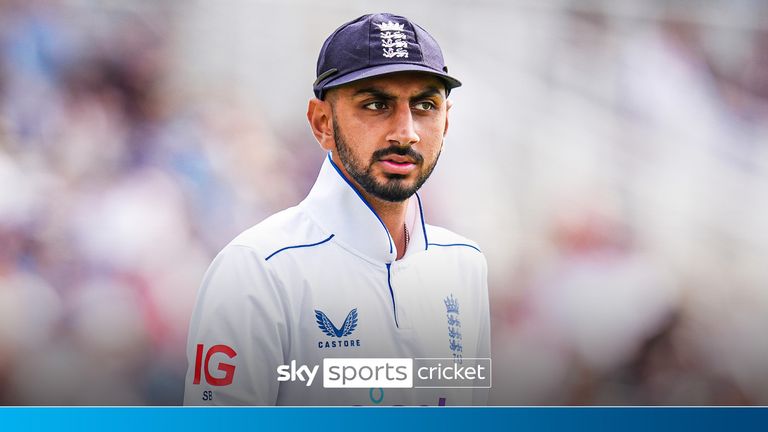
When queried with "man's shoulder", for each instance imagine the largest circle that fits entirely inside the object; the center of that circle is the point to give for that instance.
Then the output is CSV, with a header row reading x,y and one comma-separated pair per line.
x,y
439,237
460,252
244,264
287,228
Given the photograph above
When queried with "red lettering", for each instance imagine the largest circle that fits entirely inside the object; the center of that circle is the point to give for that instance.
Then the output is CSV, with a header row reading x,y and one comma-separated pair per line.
x,y
228,369
200,366
198,363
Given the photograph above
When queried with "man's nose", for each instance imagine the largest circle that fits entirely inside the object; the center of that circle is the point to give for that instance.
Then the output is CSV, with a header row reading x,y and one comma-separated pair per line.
x,y
403,131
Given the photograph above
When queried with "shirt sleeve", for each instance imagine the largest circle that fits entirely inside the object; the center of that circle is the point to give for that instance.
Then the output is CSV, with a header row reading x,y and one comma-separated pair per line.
x,y
238,333
480,395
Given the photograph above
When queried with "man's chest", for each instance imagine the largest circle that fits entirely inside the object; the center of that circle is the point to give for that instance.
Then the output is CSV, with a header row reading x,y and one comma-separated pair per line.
x,y
346,307
415,308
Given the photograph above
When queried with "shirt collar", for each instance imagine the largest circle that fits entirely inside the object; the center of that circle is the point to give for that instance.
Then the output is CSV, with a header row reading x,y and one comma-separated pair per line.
x,y
340,210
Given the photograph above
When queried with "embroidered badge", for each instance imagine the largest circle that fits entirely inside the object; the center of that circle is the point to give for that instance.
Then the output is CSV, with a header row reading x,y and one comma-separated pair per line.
x,y
329,329
339,335
393,40
454,328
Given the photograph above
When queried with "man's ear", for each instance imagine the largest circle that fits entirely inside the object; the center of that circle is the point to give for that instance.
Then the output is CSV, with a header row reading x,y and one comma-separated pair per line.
x,y
448,105
321,122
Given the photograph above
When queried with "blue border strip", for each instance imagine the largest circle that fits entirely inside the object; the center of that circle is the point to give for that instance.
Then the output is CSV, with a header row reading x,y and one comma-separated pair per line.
x,y
456,244
392,293
297,247
423,225
363,199
384,419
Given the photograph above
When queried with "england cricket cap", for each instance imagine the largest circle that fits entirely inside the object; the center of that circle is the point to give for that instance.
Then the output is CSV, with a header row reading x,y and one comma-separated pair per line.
x,y
374,45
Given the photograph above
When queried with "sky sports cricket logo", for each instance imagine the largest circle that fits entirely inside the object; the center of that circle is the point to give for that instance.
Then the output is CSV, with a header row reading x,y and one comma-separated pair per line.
x,y
392,373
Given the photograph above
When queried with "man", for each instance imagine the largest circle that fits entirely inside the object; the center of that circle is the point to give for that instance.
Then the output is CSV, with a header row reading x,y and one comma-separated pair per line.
x,y
353,271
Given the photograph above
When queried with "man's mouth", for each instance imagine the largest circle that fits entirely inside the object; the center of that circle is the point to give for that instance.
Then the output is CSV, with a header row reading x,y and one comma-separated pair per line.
x,y
398,159
396,164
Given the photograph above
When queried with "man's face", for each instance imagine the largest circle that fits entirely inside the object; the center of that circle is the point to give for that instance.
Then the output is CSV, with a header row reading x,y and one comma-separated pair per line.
x,y
389,131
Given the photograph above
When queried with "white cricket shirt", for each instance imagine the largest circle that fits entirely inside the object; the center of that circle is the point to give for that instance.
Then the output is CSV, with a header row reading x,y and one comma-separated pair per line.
x,y
320,280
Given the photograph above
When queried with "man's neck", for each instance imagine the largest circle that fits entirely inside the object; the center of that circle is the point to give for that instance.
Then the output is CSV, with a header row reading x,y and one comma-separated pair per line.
x,y
391,213
393,216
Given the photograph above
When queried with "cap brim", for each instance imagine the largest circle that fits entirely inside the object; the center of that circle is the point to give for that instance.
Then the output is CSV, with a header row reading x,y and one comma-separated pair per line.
x,y
375,71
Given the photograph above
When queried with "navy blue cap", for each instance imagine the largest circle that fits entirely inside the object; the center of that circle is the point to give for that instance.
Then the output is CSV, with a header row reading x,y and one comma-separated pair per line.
x,y
374,45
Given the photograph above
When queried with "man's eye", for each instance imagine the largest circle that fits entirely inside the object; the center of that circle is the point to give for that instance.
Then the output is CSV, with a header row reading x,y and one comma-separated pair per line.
x,y
375,106
425,106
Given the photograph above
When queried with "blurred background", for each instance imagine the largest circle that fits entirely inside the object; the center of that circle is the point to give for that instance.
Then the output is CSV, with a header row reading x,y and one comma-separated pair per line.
x,y
610,157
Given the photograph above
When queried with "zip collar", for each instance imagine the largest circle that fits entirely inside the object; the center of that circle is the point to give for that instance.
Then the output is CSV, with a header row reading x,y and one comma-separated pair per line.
x,y
341,210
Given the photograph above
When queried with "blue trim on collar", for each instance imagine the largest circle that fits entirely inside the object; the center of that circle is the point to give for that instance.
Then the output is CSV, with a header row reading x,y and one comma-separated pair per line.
x,y
389,237
392,293
297,247
423,226
456,244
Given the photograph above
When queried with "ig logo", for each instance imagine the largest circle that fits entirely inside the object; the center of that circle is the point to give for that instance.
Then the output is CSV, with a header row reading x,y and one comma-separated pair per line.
x,y
204,366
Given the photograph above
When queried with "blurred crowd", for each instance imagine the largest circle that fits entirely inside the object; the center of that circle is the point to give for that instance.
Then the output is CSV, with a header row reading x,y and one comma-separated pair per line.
x,y
617,182
639,207
114,197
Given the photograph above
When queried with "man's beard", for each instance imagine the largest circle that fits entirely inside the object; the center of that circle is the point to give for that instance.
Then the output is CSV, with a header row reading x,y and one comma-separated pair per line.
x,y
394,190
